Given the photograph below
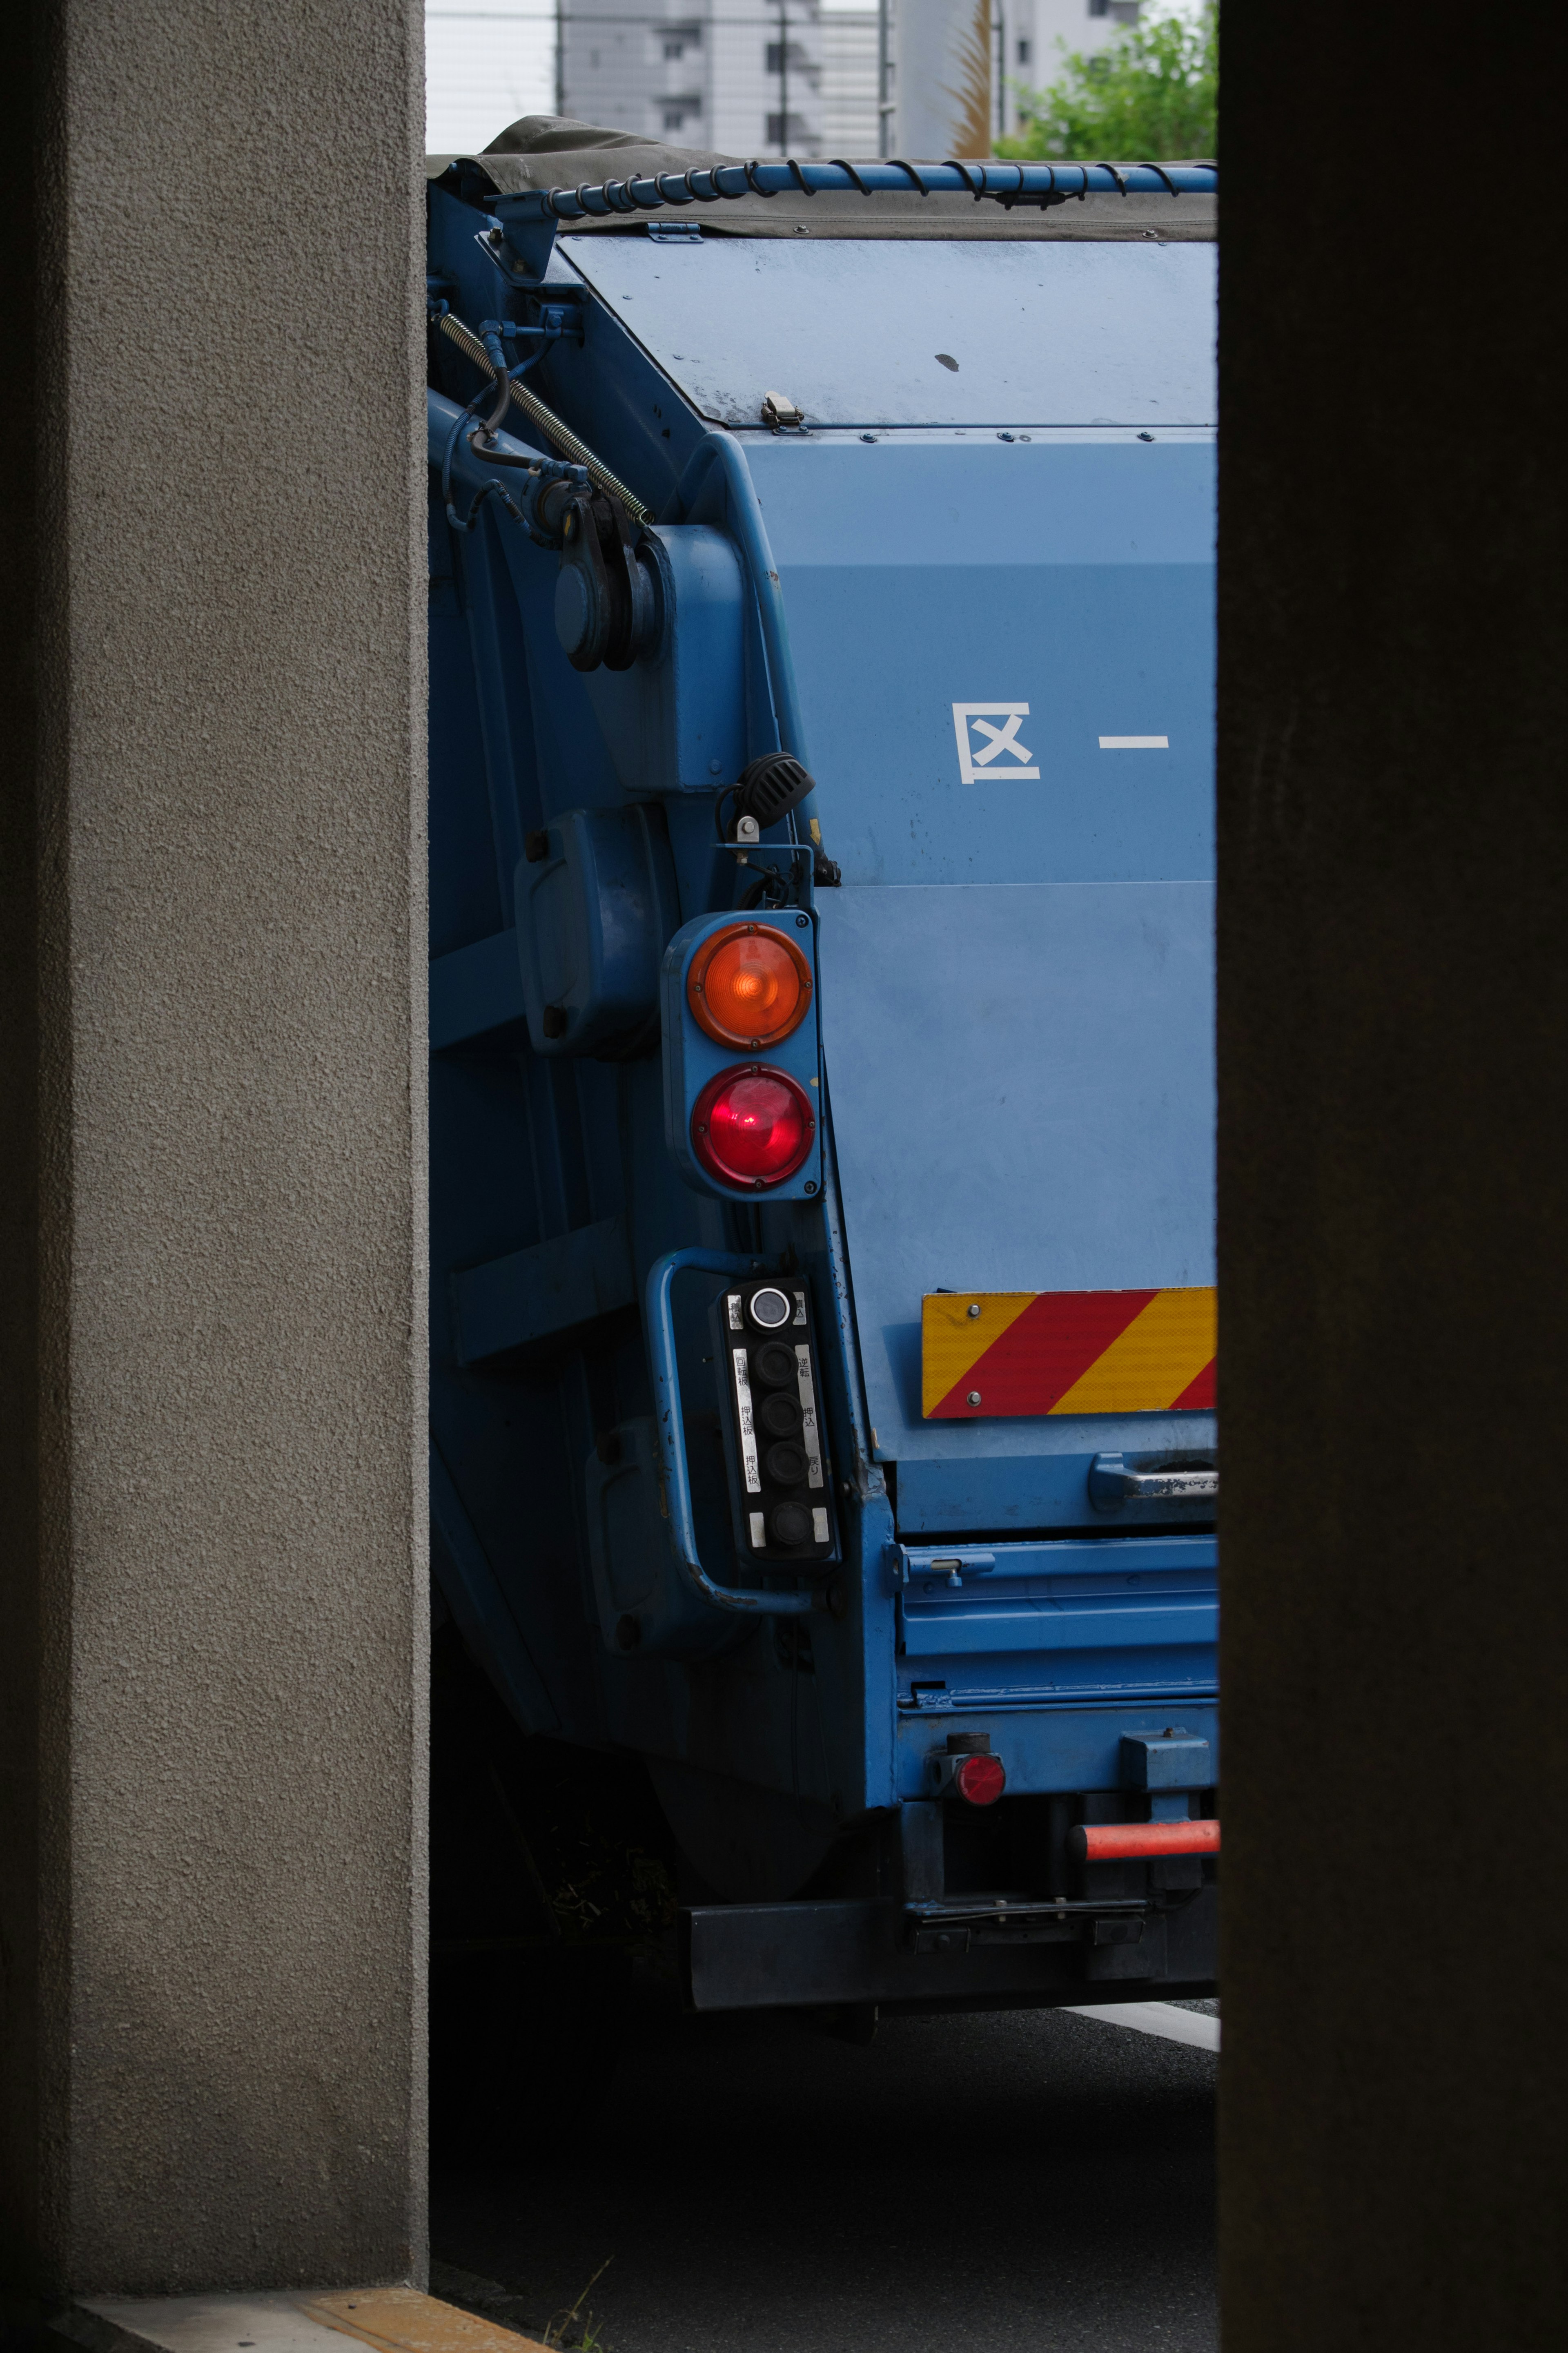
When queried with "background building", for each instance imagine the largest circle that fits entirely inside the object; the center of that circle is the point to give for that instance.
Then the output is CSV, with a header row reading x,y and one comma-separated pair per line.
x,y
721,73
850,47
744,76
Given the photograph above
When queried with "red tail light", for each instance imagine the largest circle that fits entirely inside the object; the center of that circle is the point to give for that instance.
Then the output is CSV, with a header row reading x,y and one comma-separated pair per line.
x,y
753,1126
980,1780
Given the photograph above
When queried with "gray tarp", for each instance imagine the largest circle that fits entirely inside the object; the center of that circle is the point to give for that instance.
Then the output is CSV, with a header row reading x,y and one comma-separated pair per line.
x,y
549,151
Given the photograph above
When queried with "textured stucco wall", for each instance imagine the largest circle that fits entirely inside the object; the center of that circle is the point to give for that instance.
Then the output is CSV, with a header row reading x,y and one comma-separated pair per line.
x,y
1394,1186
219,2058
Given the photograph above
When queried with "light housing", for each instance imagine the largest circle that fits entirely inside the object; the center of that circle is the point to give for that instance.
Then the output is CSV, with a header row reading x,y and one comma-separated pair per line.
x,y
753,1127
694,1055
749,985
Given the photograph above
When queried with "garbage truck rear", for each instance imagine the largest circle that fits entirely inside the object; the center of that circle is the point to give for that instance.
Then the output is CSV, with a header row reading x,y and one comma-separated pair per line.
x,y
823,1314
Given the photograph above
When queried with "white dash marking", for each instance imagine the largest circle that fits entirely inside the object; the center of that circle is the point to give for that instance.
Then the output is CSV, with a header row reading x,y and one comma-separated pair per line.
x,y
1196,2027
1135,742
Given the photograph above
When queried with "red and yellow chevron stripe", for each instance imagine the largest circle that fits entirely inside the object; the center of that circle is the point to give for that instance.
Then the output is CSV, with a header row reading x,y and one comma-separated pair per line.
x,y
1027,1352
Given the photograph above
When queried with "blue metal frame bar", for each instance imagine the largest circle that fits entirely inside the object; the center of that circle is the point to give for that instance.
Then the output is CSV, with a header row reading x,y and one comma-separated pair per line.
x,y
672,1433
744,512
530,217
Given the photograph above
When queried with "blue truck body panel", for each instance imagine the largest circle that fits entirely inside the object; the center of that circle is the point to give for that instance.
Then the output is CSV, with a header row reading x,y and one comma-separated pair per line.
x,y
974,594
1081,334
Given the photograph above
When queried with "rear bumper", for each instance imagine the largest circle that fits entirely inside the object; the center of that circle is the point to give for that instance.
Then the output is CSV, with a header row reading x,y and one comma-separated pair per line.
x,y
956,1954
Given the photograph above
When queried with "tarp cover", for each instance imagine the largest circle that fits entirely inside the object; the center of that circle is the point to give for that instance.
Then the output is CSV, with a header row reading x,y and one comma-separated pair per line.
x,y
551,151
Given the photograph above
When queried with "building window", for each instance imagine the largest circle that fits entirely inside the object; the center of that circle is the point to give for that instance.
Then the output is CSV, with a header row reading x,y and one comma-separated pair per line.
x,y
786,130
1022,53
679,39
676,111
1099,7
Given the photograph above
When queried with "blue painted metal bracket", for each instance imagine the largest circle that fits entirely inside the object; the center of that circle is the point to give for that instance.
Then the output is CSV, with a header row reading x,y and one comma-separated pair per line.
x,y
538,1293
474,990
530,219
746,520
744,514
867,1476
672,1434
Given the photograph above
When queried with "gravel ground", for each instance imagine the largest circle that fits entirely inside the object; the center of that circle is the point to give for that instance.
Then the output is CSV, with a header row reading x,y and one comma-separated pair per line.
x,y
1018,2178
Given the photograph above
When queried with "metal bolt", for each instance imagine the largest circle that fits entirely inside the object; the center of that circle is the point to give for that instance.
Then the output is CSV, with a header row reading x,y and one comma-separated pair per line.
x,y
975,1311
802,923
811,1185
974,1397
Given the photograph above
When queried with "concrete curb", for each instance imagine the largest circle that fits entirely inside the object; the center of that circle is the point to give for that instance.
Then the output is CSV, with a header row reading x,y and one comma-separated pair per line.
x,y
302,2320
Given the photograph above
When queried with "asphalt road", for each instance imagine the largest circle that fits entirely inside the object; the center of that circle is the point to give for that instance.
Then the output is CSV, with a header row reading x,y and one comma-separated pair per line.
x,y
1020,2178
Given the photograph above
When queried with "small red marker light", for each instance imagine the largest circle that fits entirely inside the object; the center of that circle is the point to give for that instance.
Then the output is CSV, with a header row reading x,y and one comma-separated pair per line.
x,y
980,1780
753,1127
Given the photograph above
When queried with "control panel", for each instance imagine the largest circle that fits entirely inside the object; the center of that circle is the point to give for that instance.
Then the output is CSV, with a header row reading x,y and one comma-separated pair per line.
x,y
781,1488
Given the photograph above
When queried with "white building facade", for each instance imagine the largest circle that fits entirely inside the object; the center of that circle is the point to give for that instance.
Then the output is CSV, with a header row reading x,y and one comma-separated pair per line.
x,y
801,76
851,45
742,75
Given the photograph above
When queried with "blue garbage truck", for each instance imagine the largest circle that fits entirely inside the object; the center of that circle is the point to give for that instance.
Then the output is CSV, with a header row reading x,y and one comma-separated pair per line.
x,y
821,1116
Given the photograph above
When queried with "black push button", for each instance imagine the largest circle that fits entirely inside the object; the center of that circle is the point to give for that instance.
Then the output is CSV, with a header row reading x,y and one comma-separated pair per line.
x,y
789,1524
776,1365
779,1414
786,1464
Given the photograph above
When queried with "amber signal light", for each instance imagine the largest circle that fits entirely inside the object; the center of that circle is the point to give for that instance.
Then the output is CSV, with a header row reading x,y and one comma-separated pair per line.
x,y
749,985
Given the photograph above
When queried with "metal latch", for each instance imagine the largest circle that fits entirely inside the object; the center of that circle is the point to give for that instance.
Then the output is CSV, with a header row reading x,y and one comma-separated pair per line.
x,y
951,1562
779,409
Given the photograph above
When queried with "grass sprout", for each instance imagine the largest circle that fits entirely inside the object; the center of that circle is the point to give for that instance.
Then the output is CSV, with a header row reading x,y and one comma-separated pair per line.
x,y
573,2329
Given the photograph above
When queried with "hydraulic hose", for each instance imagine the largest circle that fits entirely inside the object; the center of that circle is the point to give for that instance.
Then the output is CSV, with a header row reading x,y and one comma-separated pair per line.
x,y
549,423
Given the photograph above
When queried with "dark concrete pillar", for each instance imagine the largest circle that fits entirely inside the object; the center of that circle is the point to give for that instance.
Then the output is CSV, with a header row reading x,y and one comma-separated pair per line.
x,y
1394,1077
211,1342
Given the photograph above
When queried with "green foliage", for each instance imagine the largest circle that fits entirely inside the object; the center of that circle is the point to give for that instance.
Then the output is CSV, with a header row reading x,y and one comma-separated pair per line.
x,y
1151,93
